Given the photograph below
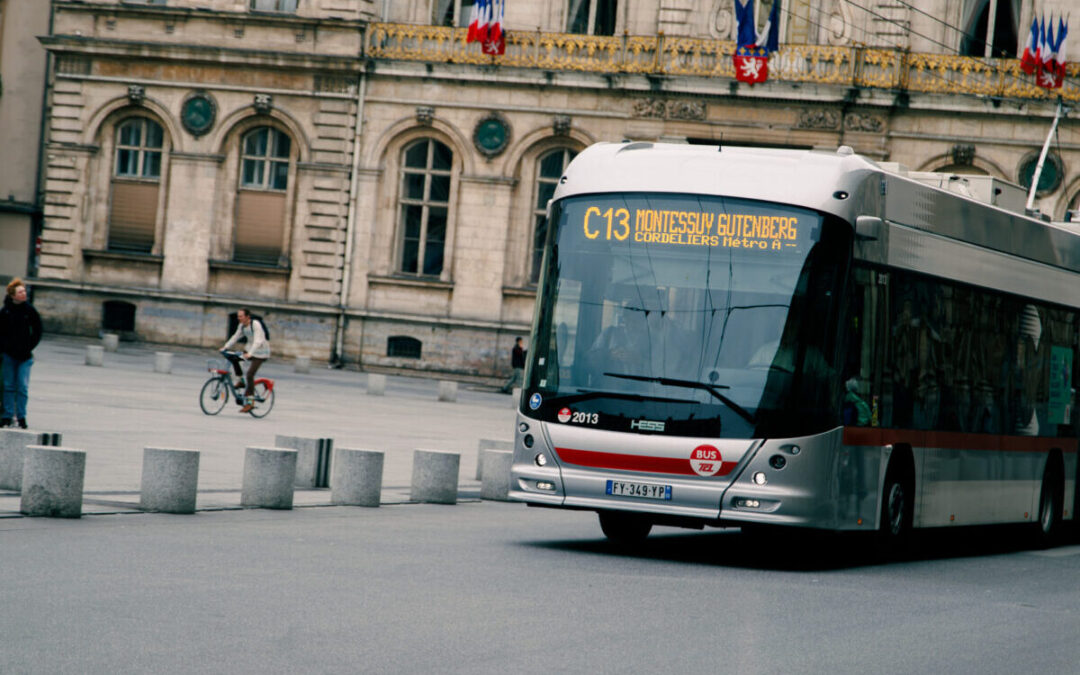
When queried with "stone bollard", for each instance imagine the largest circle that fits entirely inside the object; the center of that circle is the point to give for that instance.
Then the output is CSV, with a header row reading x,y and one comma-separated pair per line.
x,y
52,482
163,362
484,445
170,480
312,459
303,364
357,477
376,384
110,341
95,355
269,474
496,483
435,476
13,444
515,398
447,391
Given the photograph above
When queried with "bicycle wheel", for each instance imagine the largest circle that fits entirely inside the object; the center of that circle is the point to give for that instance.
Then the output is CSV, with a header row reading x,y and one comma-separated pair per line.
x,y
264,399
214,396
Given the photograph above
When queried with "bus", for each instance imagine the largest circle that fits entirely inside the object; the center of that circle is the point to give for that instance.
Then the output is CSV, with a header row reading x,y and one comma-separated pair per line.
x,y
742,337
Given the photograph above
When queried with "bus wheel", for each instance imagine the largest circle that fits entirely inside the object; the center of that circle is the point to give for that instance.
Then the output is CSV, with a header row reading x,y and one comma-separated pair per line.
x,y
624,528
897,508
1050,500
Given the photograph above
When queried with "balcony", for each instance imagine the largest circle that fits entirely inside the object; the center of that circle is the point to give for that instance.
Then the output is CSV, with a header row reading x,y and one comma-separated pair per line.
x,y
864,67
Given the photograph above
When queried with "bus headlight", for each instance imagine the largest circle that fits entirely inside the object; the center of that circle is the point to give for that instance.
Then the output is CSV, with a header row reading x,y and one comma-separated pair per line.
x,y
760,479
540,459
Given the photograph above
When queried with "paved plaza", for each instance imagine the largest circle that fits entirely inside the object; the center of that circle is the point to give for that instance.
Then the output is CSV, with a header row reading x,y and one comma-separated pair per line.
x,y
114,412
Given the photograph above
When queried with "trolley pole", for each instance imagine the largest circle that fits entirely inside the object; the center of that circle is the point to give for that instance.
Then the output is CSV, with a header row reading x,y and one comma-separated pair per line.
x,y
1061,110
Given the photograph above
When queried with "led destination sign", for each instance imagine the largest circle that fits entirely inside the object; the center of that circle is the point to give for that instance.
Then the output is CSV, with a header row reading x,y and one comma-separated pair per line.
x,y
764,230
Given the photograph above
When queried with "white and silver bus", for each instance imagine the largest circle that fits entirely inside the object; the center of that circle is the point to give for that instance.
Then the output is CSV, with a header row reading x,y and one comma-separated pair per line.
x,y
738,337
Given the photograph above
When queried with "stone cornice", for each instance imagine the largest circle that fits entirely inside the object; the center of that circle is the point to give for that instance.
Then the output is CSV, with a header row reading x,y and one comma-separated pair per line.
x,y
140,49
166,12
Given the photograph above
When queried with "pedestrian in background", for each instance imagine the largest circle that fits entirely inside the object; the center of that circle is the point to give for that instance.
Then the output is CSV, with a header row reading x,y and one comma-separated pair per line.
x,y
517,362
20,332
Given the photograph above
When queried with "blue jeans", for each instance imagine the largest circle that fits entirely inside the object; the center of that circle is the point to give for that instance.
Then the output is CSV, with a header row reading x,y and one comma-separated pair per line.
x,y
16,386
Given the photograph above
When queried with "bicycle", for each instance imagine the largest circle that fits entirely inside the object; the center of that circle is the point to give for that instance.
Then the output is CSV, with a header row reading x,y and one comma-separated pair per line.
x,y
219,389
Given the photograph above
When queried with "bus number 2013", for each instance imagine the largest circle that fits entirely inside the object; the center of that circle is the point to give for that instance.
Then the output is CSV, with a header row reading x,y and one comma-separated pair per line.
x,y
584,418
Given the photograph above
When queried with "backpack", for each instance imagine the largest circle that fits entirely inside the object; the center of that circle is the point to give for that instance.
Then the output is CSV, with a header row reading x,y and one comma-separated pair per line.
x,y
266,331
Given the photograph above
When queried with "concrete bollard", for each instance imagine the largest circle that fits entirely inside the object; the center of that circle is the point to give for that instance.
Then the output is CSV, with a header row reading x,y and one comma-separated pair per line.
x,y
435,476
95,355
496,485
312,459
52,482
484,445
269,474
447,391
303,364
13,444
356,479
515,398
110,341
163,362
376,384
170,480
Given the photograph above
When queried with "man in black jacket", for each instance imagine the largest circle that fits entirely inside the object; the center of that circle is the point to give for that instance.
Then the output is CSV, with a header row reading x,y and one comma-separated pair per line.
x,y
20,332
517,363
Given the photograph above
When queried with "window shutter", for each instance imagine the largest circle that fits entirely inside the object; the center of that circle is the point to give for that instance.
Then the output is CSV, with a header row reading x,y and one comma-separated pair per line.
x,y
133,216
260,226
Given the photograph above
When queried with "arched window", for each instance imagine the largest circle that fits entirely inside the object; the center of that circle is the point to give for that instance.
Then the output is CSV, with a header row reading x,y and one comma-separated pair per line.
x,y
549,169
133,205
424,206
265,154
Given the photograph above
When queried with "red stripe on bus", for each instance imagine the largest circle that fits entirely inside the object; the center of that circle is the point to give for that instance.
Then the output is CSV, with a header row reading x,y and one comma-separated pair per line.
x,y
953,440
638,463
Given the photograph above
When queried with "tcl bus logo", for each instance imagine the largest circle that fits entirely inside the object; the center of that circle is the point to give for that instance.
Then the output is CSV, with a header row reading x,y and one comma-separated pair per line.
x,y
705,460
646,425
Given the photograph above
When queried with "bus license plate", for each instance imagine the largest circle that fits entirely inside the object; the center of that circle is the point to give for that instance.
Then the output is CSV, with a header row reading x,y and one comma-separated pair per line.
x,y
646,490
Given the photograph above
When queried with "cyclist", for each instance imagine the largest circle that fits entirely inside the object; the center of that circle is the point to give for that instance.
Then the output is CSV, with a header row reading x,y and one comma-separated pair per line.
x,y
256,353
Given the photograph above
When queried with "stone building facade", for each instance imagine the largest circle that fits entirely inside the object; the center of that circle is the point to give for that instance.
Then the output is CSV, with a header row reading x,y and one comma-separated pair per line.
x,y
374,186
22,84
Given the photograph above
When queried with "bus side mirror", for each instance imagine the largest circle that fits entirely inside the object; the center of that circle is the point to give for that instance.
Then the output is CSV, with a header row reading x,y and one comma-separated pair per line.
x,y
868,228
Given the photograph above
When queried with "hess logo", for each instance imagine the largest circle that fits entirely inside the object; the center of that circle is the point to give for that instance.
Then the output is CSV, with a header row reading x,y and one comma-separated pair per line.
x,y
705,460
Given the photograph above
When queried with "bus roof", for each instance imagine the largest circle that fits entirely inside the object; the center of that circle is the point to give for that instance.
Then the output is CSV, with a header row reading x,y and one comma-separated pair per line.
x,y
838,182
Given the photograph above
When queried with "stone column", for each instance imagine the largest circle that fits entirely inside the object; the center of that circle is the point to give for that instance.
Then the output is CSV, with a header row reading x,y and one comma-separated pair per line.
x,y
52,482
435,476
170,480
356,479
269,474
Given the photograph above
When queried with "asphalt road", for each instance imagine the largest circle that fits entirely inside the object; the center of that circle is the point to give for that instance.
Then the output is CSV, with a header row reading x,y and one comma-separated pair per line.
x,y
479,587
501,588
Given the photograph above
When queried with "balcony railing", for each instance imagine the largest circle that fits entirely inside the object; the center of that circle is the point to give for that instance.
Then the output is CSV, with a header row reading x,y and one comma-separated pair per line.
x,y
663,55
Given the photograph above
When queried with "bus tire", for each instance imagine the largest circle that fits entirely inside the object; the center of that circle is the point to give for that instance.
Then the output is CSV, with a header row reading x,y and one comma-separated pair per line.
x,y
624,528
897,512
1051,497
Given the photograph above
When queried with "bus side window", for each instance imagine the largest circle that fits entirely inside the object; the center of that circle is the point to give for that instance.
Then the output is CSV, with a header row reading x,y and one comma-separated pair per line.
x,y
860,364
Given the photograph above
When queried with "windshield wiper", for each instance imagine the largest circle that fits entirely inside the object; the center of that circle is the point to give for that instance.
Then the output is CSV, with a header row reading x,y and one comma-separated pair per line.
x,y
586,394
713,389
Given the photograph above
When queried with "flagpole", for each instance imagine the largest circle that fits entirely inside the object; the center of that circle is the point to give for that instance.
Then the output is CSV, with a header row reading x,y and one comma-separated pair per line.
x,y
1042,157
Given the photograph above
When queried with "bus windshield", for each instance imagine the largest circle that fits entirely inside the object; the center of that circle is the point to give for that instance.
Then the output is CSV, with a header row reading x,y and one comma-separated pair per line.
x,y
688,315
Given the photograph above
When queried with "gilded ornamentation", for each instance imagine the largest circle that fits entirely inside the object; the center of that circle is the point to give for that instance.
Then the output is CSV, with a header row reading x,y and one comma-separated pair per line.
x,y
836,63
818,118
